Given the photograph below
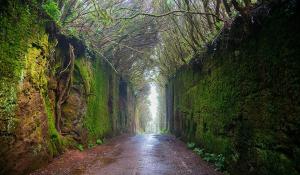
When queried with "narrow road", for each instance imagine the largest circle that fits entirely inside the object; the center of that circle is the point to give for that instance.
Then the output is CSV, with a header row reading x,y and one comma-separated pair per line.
x,y
131,155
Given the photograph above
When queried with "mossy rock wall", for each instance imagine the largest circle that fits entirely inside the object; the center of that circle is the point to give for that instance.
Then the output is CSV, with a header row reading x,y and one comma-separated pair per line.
x,y
244,101
104,110
31,57
23,84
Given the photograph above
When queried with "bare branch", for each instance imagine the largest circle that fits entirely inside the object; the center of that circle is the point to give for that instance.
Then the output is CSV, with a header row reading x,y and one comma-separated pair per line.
x,y
175,12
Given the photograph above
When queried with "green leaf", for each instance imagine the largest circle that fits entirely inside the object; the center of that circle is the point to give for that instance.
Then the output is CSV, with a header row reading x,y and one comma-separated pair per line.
x,y
191,145
99,142
51,8
80,147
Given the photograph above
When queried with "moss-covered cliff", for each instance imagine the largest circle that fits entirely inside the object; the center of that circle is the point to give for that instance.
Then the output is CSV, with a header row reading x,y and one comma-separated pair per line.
x,y
44,74
243,101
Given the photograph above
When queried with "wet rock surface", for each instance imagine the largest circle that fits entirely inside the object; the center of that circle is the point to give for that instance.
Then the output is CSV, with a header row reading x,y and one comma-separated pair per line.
x,y
131,155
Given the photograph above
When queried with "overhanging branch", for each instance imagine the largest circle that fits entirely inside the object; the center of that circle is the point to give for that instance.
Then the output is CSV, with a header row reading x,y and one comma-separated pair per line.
x,y
175,12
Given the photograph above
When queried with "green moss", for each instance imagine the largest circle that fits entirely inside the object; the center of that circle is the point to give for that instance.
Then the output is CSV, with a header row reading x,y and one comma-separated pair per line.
x,y
95,78
36,62
18,31
51,121
115,101
245,102
85,69
56,143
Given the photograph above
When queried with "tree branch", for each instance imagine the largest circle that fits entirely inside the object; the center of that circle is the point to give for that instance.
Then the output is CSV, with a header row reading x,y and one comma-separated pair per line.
x,y
171,13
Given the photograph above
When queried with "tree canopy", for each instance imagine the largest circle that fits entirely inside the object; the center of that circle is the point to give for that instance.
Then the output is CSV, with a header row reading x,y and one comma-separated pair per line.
x,y
145,40
135,36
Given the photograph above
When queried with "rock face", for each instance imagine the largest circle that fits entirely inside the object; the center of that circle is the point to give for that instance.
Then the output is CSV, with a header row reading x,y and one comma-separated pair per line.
x,y
30,145
241,98
34,71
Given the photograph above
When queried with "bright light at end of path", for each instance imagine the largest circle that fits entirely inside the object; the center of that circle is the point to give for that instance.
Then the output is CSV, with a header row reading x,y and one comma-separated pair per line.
x,y
153,107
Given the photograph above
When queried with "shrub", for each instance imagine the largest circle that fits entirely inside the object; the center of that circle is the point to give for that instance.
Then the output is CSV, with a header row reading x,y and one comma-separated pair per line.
x,y
80,147
91,145
199,151
217,160
164,131
51,8
99,142
191,145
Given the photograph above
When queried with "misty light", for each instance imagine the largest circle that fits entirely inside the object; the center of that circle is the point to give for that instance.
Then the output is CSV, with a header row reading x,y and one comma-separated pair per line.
x,y
153,98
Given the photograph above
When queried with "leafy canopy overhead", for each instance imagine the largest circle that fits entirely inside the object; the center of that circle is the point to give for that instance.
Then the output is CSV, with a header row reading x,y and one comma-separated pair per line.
x,y
138,36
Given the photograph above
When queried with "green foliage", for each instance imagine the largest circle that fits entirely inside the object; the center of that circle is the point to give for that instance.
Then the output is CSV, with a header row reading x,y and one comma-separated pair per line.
x,y
80,147
253,1
99,142
219,25
91,145
72,14
105,18
164,131
275,163
191,145
51,8
217,160
73,32
199,151
170,2
241,2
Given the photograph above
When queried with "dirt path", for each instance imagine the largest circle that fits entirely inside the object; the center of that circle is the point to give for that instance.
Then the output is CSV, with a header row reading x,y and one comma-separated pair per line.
x,y
131,155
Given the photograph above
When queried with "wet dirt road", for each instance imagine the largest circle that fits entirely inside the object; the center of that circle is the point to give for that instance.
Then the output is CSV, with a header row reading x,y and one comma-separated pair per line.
x,y
131,155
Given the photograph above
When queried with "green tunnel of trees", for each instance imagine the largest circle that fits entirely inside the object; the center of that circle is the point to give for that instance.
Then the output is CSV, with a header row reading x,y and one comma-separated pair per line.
x,y
75,72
